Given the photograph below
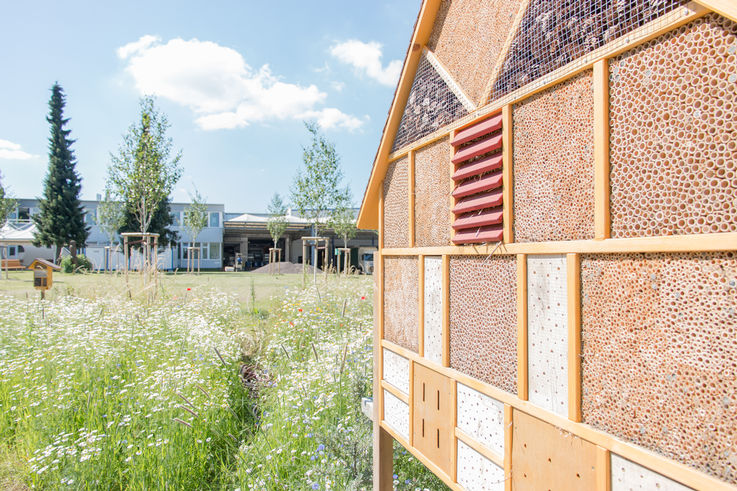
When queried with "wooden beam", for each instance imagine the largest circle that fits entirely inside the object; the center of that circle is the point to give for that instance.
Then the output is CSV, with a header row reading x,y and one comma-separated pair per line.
x,y
421,305
677,471
454,424
508,172
446,311
601,150
411,210
411,403
383,448
381,216
603,470
480,448
725,8
726,241
508,440
573,276
395,392
522,381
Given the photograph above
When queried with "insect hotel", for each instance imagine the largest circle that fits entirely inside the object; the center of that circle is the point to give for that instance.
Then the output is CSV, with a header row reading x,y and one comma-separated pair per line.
x,y
555,192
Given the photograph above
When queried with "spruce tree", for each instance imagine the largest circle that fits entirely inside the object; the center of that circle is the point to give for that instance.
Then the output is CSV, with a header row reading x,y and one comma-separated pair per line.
x,y
61,217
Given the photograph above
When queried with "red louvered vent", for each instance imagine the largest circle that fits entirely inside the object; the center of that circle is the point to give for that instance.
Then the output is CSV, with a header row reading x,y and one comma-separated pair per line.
x,y
478,182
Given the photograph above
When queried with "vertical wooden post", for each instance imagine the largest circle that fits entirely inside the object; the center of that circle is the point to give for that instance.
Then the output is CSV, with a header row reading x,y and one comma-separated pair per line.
x,y
508,173
125,259
304,264
411,403
383,449
603,470
522,382
411,182
446,310
602,219
508,440
381,217
454,424
421,305
573,275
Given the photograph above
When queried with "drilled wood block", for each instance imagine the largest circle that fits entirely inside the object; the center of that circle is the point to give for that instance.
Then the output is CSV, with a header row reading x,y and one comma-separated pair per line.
x,y
628,476
476,472
547,332
546,457
481,417
433,309
396,414
396,370
433,428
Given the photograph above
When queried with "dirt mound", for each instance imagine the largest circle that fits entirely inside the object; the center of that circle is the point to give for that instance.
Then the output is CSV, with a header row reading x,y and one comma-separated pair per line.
x,y
284,268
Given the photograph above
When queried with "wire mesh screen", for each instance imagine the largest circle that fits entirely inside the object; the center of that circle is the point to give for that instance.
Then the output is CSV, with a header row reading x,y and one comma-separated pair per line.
x,y
431,105
555,32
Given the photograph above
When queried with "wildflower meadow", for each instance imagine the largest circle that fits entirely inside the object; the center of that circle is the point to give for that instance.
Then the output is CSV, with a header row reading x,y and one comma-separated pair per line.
x,y
193,389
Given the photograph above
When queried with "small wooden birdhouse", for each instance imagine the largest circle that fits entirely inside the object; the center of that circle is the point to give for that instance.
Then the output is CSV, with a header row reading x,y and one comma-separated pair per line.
x,y
43,273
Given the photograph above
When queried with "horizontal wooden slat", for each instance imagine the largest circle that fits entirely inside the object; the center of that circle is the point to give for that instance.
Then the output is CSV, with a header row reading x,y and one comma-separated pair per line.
x,y
493,233
491,216
487,164
494,142
480,129
486,183
489,200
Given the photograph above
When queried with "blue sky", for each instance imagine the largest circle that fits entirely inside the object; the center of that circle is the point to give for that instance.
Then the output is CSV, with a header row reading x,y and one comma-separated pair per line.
x,y
236,79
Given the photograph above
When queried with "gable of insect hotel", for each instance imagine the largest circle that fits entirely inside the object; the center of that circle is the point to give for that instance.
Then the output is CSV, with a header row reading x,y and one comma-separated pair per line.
x,y
555,192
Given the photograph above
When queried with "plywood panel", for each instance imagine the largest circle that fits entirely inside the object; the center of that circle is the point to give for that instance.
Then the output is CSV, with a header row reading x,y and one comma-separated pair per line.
x,y
546,457
433,313
432,418
628,476
547,332
481,417
396,370
476,472
396,414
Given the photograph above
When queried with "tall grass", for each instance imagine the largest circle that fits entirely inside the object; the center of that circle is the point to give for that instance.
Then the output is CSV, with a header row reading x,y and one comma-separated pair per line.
x,y
194,390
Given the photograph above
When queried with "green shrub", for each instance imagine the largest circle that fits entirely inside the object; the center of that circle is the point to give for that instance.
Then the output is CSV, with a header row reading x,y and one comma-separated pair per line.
x,y
83,264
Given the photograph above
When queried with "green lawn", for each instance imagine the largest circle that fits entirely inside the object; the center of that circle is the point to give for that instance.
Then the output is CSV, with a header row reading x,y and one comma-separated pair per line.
x,y
265,286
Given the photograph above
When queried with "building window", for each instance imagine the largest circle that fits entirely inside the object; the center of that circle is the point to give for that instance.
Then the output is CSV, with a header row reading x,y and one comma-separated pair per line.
x,y
214,219
11,251
175,218
214,250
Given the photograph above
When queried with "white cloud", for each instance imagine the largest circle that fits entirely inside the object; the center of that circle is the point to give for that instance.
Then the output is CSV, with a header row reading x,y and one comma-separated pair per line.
x,y
366,59
137,46
332,118
219,86
337,86
12,151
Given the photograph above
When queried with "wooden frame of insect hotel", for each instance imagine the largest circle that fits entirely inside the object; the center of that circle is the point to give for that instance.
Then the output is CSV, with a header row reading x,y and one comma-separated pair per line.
x,y
555,192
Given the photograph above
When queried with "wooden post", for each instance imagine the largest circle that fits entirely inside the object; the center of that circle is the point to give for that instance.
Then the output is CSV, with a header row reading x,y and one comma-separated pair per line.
x,y
522,382
508,173
574,337
125,258
601,150
383,444
304,264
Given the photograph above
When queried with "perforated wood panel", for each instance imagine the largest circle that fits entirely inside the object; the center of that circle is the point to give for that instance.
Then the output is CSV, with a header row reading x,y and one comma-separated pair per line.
x,y
431,422
433,309
396,414
476,472
396,370
546,457
628,476
481,417
401,301
547,332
